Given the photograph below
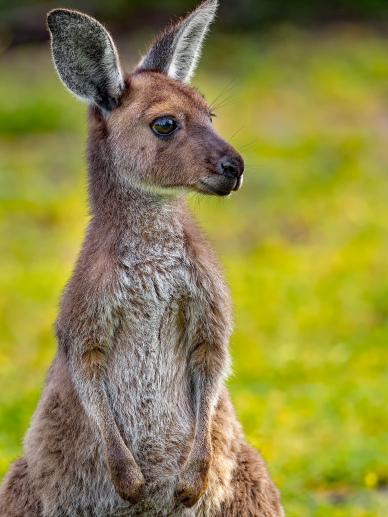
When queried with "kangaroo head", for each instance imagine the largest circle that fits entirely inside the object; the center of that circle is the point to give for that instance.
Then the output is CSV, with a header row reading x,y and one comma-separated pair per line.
x,y
150,126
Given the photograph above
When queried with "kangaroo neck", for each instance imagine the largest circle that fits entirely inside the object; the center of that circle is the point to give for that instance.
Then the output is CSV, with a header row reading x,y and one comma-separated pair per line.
x,y
136,211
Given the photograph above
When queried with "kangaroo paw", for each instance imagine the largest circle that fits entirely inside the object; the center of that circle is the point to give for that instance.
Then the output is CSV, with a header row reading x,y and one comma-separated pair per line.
x,y
192,482
128,480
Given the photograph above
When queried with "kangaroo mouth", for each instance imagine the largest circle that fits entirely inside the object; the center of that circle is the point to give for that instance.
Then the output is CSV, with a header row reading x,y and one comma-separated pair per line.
x,y
218,185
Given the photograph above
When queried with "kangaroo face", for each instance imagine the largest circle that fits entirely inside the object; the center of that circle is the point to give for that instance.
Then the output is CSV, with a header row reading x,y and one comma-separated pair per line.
x,y
162,137
157,129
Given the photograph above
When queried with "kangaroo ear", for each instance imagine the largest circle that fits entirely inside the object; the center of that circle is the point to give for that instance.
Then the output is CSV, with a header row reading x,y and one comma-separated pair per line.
x,y
85,57
177,50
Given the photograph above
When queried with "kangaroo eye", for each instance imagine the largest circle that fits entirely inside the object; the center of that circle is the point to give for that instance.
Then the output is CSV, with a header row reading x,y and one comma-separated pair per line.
x,y
164,126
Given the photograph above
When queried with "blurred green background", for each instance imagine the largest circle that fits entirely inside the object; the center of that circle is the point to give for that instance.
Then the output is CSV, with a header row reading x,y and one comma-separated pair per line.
x,y
302,92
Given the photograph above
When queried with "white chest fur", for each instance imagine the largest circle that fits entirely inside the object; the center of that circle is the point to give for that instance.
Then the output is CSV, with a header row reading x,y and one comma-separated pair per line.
x,y
148,382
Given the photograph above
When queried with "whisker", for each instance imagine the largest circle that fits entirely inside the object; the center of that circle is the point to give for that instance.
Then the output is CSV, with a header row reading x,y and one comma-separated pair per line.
x,y
224,96
222,103
225,89
236,132
255,168
248,145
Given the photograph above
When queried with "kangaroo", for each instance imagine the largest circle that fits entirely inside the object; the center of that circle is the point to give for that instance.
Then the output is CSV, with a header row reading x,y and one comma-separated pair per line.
x,y
135,418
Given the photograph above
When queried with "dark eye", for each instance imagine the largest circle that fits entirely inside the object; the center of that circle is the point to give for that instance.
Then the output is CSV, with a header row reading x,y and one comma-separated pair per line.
x,y
164,126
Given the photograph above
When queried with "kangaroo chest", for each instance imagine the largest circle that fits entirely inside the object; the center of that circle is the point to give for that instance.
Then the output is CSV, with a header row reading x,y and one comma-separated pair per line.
x,y
148,382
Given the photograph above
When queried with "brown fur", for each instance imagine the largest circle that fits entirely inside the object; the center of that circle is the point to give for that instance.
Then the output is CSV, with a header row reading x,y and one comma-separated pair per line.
x,y
18,498
253,493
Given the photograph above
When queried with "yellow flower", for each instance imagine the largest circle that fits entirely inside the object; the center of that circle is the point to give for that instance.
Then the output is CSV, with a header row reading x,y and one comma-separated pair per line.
x,y
371,479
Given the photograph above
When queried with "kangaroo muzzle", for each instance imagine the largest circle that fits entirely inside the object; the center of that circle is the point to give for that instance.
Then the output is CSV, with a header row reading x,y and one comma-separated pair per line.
x,y
232,167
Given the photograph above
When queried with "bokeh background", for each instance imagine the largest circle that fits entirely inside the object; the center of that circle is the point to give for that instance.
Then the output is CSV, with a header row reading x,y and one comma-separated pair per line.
x,y
301,89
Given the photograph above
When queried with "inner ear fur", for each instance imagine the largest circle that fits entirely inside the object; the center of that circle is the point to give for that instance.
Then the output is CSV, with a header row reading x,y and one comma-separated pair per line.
x,y
176,51
85,58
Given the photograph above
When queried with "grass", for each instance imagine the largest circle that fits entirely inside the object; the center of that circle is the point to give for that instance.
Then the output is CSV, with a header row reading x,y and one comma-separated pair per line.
x,y
304,247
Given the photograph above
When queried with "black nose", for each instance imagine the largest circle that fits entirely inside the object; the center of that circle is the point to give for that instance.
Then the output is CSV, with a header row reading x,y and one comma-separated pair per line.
x,y
231,167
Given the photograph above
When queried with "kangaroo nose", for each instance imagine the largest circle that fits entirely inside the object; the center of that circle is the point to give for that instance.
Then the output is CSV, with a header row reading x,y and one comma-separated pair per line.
x,y
231,167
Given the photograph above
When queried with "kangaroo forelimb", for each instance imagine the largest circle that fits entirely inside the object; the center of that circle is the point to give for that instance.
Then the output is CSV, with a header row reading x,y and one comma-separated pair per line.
x,y
88,371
